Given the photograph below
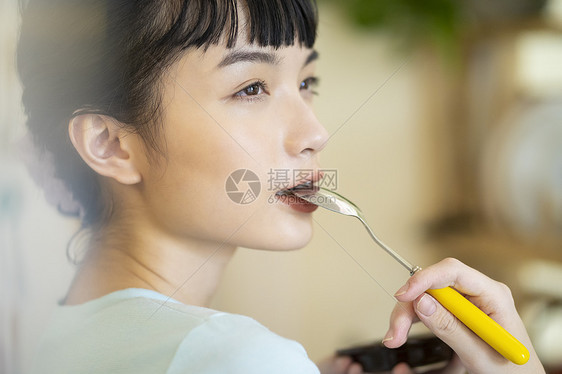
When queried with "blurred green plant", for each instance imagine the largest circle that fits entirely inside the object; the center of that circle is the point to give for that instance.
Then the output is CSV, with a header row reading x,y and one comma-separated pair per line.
x,y
411,21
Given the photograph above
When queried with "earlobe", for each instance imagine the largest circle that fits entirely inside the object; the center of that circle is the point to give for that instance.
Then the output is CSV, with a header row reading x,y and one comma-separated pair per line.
x,y
105,146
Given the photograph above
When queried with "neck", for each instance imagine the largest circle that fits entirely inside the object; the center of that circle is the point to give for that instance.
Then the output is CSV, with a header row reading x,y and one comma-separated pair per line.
x,y
187,270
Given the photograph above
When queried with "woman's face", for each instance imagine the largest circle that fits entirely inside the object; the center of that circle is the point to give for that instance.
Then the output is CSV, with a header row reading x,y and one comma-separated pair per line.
x,y
247,107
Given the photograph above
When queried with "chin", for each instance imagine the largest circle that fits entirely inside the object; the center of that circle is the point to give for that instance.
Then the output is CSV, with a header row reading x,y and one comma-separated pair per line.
x,y
287,234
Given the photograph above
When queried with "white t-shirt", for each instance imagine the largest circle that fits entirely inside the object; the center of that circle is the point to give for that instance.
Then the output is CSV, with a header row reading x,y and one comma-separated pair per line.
x,y
138,331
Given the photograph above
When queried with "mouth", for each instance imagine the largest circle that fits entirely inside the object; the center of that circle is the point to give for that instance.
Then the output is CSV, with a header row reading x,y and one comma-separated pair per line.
x,y
288,197
308,184
305,186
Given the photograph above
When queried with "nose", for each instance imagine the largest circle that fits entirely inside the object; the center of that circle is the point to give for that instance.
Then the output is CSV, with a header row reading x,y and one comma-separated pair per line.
x,y
307,136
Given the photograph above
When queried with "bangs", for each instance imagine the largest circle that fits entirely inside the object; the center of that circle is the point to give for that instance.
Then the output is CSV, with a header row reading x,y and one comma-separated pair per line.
x,y
275,23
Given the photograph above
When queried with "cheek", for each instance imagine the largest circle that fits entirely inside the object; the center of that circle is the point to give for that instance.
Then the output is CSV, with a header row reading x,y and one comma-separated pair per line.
x,y
193,203
189,196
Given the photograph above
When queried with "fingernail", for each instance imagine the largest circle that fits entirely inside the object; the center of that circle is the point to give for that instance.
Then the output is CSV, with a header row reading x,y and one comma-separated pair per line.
x,y
402,290
426,305
388,337
342,361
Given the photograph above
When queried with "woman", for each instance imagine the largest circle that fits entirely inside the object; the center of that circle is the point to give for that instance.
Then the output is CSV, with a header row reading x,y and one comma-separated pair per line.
x,y
145,109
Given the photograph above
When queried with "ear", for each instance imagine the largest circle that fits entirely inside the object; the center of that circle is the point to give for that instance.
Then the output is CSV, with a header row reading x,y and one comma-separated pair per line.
x,y
105,146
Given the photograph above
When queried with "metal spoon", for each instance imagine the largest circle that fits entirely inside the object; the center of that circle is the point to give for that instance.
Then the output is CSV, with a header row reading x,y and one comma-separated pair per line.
x,y
337,203
476,320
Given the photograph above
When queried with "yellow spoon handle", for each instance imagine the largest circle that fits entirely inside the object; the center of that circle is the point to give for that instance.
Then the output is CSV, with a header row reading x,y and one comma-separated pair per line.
x,y
481,324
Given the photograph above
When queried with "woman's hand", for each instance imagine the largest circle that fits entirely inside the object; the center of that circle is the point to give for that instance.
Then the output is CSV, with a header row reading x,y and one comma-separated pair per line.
x,y
339,365
492,297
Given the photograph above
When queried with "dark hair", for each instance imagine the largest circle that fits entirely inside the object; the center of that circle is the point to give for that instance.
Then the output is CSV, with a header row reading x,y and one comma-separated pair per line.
x,y
108,57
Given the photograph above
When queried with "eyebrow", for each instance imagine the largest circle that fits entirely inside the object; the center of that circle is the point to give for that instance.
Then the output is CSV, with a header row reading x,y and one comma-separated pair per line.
x,y
313,56
258,57
249,56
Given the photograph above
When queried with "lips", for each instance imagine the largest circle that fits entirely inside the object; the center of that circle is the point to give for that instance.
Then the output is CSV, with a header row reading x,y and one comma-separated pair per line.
x,y
305,184
295,202
287,196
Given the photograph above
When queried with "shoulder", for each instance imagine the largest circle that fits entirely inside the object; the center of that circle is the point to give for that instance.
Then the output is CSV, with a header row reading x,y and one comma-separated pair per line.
x,y
237,344
127,331
143,332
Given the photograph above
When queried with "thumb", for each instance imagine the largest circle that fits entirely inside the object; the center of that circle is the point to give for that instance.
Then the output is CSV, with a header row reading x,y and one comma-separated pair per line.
x,y
434,316
452,331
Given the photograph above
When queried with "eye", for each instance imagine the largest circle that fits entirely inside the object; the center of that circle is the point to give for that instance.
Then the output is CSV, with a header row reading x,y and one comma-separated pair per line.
x,y
309,84
252,90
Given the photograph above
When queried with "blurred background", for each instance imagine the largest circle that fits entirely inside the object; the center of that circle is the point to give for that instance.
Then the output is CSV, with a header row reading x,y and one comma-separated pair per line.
x,y
446,123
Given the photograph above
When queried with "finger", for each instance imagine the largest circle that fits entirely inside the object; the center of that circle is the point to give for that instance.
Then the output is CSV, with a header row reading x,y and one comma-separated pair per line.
x,y
490,296
335,365
401,319
448,272
454,366
455,334
342,363
402,368
493,298
355,369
